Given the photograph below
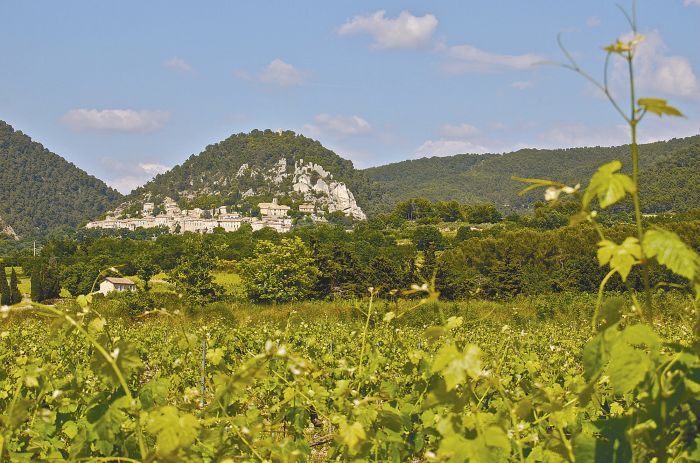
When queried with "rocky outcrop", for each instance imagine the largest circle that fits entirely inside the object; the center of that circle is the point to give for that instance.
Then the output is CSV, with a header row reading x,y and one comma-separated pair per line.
x,y
311,180
6,230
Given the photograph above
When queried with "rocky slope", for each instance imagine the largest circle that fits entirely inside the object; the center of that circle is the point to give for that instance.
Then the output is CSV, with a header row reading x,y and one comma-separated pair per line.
x,y
6,231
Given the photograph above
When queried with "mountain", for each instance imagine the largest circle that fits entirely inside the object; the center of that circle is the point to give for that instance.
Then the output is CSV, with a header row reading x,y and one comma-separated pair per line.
x,y
669,175
248,168
39,190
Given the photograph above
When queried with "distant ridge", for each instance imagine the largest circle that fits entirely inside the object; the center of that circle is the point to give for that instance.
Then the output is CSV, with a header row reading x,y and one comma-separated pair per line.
x,y
670,175
39,190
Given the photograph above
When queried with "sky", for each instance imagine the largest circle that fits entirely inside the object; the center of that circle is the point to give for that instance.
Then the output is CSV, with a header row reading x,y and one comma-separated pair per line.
x,y
126,90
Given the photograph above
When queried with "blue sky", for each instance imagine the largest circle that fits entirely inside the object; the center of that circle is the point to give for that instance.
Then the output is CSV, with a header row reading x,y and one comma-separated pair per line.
x,y
127,89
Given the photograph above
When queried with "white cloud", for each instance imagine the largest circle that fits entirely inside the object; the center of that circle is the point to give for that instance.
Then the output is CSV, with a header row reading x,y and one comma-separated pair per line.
x,y
657,71
126,184
458,131
129,175
593,21
444,147
466,58
153,168
569,135
343,126
691,2
280,73
405,31
521,84
119,120
177,64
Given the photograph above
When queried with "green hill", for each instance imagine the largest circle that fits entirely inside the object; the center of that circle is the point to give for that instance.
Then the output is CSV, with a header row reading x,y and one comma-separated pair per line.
x,y
39,190
259,164
669,175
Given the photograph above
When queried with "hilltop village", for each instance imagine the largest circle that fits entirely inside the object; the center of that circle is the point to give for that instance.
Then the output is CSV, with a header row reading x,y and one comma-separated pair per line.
x,y
272,215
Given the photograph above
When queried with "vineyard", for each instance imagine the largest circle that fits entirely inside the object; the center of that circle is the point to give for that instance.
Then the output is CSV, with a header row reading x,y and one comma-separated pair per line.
x,y
568,352
367,382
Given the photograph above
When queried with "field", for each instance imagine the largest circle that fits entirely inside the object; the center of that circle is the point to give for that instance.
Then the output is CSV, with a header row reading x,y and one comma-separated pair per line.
x,y
367,381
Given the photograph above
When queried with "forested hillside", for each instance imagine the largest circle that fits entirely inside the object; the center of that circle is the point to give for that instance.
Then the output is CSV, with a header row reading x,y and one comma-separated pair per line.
x,y
670,171
40,190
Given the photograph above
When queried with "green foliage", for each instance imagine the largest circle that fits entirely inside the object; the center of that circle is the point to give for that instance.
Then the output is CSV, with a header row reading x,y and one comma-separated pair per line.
x,y
483,213
15,294
426,237
671,252
146,268
280,272
620,257
193,273
39,190
608,186
45,278
5,294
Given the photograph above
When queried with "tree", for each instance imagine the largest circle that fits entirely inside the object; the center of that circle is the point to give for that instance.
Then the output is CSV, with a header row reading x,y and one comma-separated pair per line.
x,y
192,275
146,268
484,213
15,294
37,292
427,236
280,272
51,282
4,287
450,211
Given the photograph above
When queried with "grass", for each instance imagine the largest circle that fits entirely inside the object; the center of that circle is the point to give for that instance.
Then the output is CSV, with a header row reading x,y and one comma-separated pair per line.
x,y
24,284
232,283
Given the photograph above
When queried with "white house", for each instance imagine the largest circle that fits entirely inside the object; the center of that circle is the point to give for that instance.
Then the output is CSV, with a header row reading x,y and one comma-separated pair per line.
x,y
110,284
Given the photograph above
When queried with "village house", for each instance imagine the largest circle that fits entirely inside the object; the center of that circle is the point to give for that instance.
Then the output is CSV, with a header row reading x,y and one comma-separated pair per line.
x,y
111,284
307,208
194,220
273,209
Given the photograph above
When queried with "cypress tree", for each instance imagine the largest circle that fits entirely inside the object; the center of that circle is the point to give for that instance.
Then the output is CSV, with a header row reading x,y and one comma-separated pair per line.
x,y
4,287
37,289
15,295
50,280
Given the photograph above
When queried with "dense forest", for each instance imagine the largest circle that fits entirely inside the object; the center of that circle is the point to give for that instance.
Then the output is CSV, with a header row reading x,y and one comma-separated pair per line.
x,y
40,190
669,171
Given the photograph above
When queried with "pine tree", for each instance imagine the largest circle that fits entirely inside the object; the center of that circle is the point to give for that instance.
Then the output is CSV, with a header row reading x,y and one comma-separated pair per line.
x,y
4,287
15,294
37,292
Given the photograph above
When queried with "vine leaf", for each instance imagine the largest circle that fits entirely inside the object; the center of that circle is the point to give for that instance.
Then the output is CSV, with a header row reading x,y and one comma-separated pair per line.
x,y
352,435
621,257
173,429
659,107
671,252
608,185
455,366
